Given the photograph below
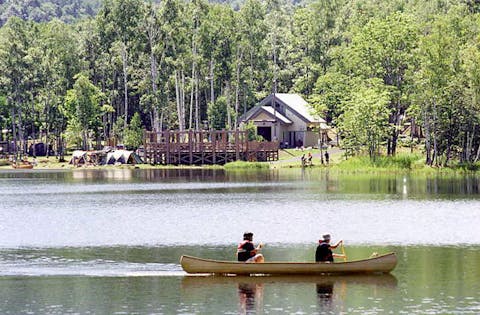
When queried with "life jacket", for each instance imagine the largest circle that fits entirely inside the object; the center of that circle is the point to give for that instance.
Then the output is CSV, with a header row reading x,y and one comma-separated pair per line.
x,y
323,253
244,254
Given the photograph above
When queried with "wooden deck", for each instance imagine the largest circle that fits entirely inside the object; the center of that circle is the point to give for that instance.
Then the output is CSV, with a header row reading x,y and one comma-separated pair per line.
x,y
205,147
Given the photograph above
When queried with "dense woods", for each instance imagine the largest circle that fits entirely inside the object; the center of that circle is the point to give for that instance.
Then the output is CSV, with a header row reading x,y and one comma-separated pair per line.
x,y
382,72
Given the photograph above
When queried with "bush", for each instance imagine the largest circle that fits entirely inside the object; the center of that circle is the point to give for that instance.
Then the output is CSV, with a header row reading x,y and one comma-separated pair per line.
x,y
400,161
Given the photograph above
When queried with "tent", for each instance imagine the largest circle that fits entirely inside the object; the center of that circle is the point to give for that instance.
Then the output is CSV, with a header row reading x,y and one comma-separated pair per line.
x,y
78,157
123,157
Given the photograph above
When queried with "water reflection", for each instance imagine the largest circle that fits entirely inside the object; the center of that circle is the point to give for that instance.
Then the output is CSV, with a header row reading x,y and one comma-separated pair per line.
x,y
330,291
250,296
325,296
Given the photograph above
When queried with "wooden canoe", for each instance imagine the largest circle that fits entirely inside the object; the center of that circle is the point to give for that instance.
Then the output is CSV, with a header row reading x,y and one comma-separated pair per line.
x,y
22,166
380,264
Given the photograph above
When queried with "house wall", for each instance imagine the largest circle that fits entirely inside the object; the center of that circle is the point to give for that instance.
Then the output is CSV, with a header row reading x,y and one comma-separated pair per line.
x,y
311,139
262,117
299,129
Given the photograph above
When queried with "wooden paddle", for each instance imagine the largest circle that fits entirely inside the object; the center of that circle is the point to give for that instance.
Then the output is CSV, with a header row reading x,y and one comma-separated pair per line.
x,y
343,253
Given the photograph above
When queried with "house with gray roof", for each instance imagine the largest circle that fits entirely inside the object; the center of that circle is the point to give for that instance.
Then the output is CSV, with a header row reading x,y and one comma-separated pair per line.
x,y
287,118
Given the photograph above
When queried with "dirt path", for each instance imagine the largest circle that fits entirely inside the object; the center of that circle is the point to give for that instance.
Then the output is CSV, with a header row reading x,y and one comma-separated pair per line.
x,y
316,156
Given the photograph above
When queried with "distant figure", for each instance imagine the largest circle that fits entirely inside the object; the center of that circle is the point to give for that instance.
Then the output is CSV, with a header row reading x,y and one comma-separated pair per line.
x,y
324,250
327,157
309,159
247,252
303,160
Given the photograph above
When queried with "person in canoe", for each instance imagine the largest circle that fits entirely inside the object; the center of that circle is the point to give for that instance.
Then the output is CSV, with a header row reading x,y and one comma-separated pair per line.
x,y
324,250
247,252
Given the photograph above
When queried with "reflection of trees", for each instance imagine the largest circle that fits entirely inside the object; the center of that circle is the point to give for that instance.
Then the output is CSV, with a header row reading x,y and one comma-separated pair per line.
x,y
250,296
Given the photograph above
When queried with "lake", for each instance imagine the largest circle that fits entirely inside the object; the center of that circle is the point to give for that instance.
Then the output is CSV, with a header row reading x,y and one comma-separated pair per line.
x,y
109,241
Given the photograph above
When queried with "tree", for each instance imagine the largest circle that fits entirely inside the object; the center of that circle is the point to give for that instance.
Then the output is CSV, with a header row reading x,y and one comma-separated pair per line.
x,y
217,113
82,107
134,133
383,49
364,121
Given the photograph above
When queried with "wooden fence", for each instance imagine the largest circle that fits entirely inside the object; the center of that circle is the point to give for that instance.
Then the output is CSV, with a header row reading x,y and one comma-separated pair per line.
x,y
205,147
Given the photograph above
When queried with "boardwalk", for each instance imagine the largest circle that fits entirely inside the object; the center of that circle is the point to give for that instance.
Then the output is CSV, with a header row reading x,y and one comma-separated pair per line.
x,y
205,147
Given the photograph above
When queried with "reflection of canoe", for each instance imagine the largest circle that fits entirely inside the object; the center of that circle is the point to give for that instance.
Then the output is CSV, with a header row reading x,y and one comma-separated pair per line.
x,y
383,280
22,165
379,264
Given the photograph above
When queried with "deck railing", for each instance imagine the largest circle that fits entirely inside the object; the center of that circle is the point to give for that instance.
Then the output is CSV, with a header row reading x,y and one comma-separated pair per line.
x,y
205,147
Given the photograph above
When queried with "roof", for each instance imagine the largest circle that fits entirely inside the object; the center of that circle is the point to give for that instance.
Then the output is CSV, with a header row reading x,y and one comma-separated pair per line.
x,y
297,104
269,110
276,114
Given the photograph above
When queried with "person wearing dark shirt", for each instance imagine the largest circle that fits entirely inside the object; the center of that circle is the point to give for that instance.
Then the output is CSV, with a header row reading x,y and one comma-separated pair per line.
x,y
247,252
324,250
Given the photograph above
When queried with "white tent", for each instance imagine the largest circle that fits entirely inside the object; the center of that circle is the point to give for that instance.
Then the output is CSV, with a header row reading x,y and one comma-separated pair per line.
x,y
123,157
78,157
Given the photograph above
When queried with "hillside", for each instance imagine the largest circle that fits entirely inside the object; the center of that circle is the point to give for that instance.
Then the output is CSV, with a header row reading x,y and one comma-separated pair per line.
x,y
70,10
46,10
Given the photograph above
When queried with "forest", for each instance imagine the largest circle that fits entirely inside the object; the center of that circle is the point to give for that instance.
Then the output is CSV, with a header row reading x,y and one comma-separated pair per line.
x,y
371,67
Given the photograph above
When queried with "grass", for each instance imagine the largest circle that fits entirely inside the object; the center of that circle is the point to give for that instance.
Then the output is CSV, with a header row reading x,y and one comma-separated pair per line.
x,y
290,158
286,154
241,165
398,162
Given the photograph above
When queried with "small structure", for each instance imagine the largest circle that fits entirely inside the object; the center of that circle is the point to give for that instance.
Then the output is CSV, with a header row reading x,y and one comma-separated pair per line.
x,y
287,118
104,157
78,158
205,147
123,157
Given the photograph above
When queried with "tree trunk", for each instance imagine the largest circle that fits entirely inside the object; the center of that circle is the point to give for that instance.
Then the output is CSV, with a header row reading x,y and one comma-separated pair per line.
x,y
229,114
151,31
197,105
153,70
192,94
212,91
125,83
435,144
179,95
428,149
237,89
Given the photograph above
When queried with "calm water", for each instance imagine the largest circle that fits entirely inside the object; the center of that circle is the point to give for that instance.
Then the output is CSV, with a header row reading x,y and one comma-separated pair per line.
x,y
108,241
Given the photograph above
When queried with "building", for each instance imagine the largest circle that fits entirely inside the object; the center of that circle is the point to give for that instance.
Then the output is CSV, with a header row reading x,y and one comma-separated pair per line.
x,y
287,118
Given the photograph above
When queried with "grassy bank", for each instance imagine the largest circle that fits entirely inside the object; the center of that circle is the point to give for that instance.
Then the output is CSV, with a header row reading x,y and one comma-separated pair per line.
x,y
242,165
403,162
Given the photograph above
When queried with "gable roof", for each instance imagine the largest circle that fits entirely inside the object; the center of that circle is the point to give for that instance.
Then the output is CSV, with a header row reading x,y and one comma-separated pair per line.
x,y
269,110
297,104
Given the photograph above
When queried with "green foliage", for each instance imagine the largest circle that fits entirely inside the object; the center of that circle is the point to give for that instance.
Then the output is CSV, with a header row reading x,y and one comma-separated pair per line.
x,y
370,67
82,106
217,113
251,130
119,129
46,10
364,121
73,135
133,136
398,162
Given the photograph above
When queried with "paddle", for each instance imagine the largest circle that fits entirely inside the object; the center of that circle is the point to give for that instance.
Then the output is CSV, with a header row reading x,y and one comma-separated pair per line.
x,y
343,253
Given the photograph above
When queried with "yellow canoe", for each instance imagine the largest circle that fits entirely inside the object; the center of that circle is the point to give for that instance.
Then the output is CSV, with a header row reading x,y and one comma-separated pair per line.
x,y
379,264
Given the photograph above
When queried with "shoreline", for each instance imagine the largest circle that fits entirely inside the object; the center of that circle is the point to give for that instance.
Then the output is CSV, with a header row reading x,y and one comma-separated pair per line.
x,y
289,159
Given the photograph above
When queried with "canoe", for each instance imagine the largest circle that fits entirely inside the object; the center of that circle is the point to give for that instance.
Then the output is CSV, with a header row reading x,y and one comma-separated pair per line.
x,y
379,264
23,166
